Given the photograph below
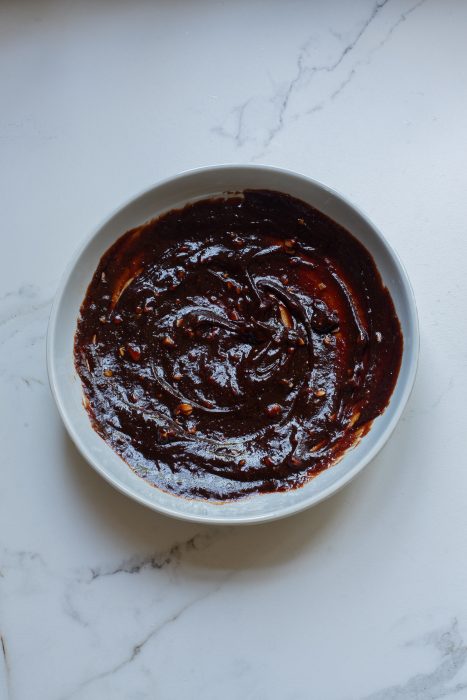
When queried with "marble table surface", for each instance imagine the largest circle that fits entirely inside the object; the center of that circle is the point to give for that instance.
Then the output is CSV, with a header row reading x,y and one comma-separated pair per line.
x,y
361,598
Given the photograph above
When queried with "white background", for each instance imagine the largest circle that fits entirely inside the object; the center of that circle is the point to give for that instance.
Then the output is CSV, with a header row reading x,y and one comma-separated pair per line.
x,y
363,597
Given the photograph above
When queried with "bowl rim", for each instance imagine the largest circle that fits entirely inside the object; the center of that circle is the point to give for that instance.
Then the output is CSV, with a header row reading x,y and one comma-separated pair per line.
x,y
244,518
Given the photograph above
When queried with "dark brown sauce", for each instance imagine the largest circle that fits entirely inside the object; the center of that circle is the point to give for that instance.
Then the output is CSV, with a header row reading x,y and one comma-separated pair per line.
x,y
237,345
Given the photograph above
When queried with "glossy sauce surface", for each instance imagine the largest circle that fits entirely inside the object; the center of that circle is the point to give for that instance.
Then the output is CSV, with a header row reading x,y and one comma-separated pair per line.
x,y
237,345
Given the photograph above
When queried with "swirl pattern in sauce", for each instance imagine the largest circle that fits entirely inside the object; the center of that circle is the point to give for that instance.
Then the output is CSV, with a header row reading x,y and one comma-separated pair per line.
x,y
237,345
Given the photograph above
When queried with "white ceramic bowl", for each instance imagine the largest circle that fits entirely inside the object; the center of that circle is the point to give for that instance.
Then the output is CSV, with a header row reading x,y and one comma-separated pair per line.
x,y
176,191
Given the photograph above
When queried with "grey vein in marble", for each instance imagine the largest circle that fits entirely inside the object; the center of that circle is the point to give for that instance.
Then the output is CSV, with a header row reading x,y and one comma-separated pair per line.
x,y
10,559
139,646
30,381
320,105
303,75
301,70
25,304
6,664
431,686
70,609
445,392
173,555
239,114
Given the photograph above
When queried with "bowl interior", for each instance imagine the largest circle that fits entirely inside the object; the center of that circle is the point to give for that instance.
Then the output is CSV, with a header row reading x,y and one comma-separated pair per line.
x,y
184,188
